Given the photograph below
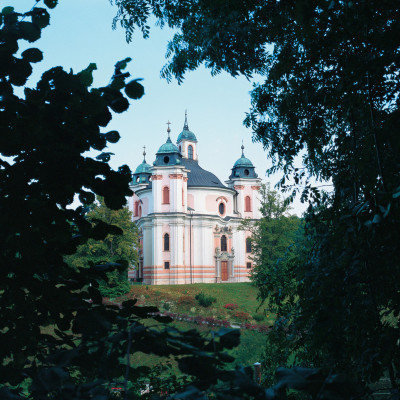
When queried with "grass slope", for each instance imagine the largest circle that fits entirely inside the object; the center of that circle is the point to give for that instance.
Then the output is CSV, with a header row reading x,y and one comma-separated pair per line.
x,y
180,299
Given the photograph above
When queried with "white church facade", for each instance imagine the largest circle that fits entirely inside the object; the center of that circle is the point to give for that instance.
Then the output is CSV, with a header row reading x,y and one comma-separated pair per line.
x,y
188,220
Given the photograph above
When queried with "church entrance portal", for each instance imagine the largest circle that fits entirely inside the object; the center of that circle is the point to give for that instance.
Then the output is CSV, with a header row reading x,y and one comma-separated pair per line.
x,y
224,270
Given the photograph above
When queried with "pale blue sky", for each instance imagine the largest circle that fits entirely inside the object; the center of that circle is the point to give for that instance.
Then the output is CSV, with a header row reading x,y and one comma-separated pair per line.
x,y
81,33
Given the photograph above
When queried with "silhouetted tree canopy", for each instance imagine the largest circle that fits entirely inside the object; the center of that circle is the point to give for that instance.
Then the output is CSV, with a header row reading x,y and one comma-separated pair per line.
x,y
330,96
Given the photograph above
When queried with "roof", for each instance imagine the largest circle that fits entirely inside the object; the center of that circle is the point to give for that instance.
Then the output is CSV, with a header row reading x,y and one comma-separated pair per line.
x,y
143,168
167,148
243,162
200,177
187,135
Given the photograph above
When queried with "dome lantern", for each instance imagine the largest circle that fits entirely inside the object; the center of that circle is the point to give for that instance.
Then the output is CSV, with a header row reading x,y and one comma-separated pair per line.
x,y
142,173
243,168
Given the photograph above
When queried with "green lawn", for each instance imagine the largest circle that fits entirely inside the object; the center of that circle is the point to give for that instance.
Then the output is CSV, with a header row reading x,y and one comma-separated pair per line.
x,y
181,299
169,297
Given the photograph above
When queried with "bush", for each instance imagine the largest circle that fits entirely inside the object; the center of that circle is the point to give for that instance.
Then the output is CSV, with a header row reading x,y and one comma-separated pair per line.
x,y
241,316
205,300
259,317
231,306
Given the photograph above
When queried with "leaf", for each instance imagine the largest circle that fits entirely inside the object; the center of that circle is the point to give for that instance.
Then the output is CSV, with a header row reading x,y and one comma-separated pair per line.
x,y
33,55
40,17
377,219
86,75
112,136
119,105
51,3
123,63
134,90
7,10
29,31
105,157
230,338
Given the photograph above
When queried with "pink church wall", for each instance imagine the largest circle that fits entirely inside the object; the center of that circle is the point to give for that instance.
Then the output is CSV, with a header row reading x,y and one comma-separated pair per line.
x,y
190,201
211,203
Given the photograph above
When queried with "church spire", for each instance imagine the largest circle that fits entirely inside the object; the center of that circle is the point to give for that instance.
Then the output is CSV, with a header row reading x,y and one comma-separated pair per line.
x,y
242,147
185,125
169,131
144,154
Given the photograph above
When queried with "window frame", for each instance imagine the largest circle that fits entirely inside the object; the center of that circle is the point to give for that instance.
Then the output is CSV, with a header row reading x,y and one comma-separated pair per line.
x,y
166,242
247,204
248,245
165,195
224,244
190,152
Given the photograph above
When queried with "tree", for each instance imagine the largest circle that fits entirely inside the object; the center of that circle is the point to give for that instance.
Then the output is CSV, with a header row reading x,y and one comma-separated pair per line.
x,y
55,343
117,250
331,95
275,239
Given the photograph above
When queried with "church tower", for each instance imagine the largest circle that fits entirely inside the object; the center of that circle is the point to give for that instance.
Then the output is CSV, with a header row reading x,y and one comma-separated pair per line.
x,y
187,142
247,183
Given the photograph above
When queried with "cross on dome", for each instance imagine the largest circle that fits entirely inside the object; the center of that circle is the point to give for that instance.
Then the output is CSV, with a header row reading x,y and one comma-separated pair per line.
x,y
185,125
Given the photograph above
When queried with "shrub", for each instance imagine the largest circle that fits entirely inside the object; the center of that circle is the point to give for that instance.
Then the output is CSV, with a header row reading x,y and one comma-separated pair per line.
x,y
186,301
205,300
241,316
258,317
231,306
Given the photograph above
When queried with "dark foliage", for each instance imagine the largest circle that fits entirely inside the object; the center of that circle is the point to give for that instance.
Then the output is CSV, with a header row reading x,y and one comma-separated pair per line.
x,y
331,95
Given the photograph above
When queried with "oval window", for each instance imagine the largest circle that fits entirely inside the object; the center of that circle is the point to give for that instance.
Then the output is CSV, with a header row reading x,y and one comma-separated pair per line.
x,y
221,208
166,159
246,172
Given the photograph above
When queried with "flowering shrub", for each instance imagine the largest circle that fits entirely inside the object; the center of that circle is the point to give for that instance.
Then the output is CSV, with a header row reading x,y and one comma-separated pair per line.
x,y
241,315
231,306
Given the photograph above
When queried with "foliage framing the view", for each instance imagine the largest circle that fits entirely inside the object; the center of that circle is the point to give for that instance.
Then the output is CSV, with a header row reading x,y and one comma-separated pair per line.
x,y
331,96
58,339
116,249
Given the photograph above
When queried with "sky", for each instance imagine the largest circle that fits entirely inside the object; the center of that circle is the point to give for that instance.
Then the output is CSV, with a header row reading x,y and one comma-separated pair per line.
x,y
81,33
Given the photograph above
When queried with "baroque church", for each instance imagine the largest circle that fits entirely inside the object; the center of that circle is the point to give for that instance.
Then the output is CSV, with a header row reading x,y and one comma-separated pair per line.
x,y
189,220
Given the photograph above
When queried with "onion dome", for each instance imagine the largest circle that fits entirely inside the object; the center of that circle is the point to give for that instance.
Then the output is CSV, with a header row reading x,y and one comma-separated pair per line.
x,y
168,153
186,134
142,173
243,168
168,147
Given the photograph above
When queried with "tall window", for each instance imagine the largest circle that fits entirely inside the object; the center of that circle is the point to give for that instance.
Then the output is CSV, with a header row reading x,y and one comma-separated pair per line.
x,y
190,152
224,246
136,208
166,242
247,203
221,208
140,211
248,245
165,195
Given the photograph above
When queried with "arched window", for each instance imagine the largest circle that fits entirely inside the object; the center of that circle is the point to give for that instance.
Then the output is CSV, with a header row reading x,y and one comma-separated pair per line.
x,y
165,195
247,203
221,208
136,208
166,242
248,245
224,246
190,152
